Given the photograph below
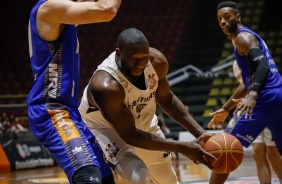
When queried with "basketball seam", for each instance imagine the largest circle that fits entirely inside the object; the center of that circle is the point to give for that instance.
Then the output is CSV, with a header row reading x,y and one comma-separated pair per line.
x,y
234,142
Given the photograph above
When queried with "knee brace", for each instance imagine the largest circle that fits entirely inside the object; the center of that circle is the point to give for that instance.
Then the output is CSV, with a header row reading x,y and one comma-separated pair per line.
x,y
88,174
132,169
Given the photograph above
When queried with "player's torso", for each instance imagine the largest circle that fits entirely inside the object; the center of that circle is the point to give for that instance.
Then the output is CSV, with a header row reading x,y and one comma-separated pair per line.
x,y
141,103
55,66
274,79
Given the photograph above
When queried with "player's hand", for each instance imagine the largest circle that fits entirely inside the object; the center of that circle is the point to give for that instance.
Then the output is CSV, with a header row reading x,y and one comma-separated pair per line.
x,y
196,153
245,105
204,138
219,117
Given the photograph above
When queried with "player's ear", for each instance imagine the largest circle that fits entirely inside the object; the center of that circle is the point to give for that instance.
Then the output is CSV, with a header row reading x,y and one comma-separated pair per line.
x,y
117,52
238,17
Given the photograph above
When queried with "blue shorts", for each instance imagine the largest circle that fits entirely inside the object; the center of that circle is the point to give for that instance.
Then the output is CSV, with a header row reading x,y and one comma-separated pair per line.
x,y
63,132
267,113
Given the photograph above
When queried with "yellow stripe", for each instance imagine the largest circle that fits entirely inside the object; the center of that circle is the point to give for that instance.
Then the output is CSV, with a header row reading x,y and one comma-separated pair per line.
x,y
64,125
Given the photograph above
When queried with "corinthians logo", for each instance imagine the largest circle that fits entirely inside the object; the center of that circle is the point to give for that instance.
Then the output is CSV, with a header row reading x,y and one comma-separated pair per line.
x,y
152,81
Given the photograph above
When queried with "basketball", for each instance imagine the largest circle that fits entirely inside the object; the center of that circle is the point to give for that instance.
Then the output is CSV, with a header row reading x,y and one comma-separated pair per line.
x,y
227,149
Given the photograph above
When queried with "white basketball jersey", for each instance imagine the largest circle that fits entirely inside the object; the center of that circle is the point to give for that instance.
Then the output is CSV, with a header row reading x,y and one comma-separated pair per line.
x,y
141,103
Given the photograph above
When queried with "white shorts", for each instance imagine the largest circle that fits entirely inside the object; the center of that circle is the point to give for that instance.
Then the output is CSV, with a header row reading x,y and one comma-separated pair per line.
x,y
265,137
114,146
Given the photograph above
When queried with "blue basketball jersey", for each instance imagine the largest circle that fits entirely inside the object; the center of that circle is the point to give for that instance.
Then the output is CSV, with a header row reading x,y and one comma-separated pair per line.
x,y
274,79
55,65
53,101
267,112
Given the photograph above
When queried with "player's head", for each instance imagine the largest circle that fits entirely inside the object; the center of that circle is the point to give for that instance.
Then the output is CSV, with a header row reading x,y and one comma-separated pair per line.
x,y
228,16
132,52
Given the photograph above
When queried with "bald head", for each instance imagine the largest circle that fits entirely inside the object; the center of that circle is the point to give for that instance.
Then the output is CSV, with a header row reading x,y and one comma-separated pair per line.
x,y
131,37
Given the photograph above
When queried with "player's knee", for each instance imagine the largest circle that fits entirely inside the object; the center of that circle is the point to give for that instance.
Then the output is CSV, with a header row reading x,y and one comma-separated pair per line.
x,y
87,174
137,173
258,151
167,174
140,175
132,169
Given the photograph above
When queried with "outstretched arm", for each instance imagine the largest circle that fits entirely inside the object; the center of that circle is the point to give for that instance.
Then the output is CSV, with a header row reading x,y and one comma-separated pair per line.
x,y
220,115
53,13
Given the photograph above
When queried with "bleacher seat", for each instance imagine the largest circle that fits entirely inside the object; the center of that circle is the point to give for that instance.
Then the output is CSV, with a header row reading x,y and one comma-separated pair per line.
x,y
214,91
211,102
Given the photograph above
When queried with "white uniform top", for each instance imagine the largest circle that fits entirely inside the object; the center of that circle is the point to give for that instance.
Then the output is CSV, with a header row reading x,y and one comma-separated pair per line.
x,y
141,103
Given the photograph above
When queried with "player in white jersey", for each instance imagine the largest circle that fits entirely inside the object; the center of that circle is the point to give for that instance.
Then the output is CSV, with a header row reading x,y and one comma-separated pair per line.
x,y
119,106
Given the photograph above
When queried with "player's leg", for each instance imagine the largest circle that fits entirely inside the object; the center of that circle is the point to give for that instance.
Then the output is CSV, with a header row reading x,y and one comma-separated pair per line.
x,y
275,160
58,130
274,115
122,157
132,169
159,163
105,169
260,157
88,174
273,155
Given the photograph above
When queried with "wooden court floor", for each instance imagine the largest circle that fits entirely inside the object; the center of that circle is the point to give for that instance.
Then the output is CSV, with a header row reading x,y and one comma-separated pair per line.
x,y
187,172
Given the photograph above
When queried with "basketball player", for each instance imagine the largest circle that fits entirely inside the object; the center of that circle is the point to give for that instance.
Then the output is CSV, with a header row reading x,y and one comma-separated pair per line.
x,y
53,100
119,106
264,147
259,96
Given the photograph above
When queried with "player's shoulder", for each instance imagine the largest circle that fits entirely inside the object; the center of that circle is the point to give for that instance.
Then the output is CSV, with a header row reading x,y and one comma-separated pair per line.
x,y
102,86
157,57
156,54
158,61
103,79
245,37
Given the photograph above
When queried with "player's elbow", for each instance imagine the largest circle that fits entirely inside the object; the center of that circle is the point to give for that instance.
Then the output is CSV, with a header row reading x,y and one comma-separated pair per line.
x,y
109,12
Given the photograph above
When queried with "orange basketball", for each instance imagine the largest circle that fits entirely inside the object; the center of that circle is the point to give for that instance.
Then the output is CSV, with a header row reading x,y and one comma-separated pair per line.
x,y
227,149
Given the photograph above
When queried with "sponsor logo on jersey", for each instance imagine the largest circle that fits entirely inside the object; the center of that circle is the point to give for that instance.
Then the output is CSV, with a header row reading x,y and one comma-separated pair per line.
x,y
152,81
77,150
53,80
112,151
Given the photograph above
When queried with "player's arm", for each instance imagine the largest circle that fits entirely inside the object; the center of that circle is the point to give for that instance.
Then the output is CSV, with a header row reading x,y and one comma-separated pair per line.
x,y
248,46
220,115
168,101
240,91
109,98
53,13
